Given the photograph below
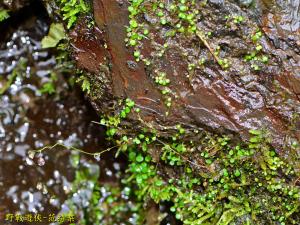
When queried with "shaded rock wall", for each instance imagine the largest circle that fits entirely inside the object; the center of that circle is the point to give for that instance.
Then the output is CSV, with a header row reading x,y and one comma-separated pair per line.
x,y
249,94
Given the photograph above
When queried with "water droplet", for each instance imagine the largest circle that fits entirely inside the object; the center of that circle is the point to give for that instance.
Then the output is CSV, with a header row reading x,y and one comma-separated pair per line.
x,y
41,161
29,162
39,186
97,156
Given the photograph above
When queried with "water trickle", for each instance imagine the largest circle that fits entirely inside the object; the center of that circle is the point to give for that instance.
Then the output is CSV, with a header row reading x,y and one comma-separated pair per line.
x,y
41,161
30,120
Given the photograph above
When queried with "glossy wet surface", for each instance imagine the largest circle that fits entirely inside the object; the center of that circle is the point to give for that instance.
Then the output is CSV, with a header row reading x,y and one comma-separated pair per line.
x,y
30,120
247,95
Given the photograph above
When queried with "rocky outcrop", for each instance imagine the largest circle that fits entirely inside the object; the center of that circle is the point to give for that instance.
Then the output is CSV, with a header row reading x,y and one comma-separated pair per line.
x,y
258,91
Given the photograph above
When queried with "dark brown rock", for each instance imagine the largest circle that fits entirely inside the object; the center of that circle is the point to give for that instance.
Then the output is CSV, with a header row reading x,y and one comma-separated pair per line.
x,y
232,100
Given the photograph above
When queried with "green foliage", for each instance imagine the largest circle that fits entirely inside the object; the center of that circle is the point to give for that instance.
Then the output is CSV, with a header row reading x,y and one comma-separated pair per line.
x,y
161,79
107,203
49,87
256,36
85,84
72,9
112,122
172,154
3,14
55,35
256,56
17,71
223,184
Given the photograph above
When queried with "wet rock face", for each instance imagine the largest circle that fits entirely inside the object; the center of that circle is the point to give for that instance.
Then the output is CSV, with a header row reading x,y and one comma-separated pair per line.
x,y
237,70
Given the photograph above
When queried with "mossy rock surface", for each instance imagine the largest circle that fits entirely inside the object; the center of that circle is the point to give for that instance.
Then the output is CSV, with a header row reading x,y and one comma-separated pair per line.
x,y
223,67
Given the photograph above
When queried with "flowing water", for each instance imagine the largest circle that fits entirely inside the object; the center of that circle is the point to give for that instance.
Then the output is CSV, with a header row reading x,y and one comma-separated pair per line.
x,y
30,120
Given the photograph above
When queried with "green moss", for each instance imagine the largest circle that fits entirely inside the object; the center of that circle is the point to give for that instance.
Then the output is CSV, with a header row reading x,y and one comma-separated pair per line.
x,y
19,70
224,183
71,10
85,84
4,14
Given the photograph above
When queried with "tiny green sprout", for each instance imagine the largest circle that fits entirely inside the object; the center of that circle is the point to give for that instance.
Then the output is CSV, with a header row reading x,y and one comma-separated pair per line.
x,y
160,14
181,130
133,23
258,47
111,132
256,36
224,63
161,5
173,7
255,132
4,14
190,17
130,9
225,173
136,141
159,183
139,158
201,61
161,79
182,15
238,19
137,54
165,91
123,114
255,67
183,8
146,31
130,103
208,161
181,30
237,173
163,21
265,59
191,66
147,62
132,42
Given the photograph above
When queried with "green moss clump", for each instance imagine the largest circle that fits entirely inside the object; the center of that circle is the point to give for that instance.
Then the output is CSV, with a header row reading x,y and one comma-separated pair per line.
x,y
212,181
71,10
4,14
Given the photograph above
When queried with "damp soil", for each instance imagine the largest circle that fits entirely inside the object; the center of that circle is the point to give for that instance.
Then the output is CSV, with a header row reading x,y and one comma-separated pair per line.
x,y
30,120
